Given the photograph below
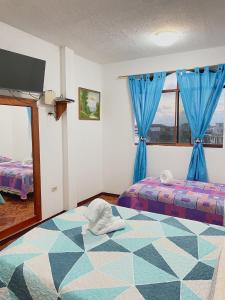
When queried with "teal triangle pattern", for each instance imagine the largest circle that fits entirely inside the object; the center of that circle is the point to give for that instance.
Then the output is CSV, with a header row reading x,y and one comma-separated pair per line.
x,y
159,290
17,280
171,230
205,247
50,225
174,222
110,246
10,262
139,243
176,261
64,244
61,263
151,255
213,231
81,267
200,272
141,217
210,262
66,225
187,294
75,235
188,244
2,284
145,273
115,212
125,273
94,294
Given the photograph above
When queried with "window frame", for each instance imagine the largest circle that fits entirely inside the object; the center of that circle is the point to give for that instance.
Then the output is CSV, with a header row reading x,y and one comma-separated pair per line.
x,y
176,125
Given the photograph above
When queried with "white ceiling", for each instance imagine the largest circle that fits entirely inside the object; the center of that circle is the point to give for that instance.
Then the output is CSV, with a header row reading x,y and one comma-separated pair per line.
x,y
114,30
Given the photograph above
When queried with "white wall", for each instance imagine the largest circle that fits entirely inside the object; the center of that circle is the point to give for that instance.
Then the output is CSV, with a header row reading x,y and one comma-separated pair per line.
x,y
82,140
118,140
15,133
50,131
71,150
6,141
21,134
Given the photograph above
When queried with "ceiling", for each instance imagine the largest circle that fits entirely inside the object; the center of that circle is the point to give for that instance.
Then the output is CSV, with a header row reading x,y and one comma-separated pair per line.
x,y
114,30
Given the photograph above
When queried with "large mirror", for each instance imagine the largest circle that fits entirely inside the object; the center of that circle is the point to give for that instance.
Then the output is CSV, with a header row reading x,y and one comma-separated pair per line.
x,y
20,203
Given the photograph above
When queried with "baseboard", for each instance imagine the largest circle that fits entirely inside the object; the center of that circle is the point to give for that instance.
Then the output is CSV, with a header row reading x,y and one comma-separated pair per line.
x,y
17,234
83,202
110,194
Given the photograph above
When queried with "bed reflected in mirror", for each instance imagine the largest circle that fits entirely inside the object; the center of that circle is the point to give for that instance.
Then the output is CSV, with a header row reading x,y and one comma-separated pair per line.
x,y
16,166
19,184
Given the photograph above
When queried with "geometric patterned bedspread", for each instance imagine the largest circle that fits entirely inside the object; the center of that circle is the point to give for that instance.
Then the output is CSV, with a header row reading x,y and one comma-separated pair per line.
x,y
192,200
155,257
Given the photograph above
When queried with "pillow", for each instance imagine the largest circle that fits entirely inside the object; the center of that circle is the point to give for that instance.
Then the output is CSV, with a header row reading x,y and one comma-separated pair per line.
x,y
2,201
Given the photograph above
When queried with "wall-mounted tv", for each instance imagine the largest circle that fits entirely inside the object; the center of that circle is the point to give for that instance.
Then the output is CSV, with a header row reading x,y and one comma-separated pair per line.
x,y
21,72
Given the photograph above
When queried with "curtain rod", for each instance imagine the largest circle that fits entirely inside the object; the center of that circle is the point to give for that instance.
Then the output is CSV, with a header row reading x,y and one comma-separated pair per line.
x,y
168,72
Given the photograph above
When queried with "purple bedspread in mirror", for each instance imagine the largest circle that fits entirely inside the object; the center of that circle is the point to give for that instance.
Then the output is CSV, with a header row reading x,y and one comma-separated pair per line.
x,y
16,178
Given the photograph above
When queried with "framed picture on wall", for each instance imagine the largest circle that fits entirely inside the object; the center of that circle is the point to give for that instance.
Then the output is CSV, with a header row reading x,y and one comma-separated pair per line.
x,y
89,104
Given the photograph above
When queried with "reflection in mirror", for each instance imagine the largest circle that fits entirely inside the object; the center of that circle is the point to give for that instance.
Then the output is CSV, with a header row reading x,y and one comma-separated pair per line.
x,y
16,166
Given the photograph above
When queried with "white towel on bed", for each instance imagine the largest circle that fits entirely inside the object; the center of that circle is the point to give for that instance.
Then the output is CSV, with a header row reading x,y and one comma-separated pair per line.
x,y
166,177
100,217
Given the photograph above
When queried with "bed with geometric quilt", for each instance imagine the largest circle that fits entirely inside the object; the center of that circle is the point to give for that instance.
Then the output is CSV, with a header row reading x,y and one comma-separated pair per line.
x,y
154,257
194,200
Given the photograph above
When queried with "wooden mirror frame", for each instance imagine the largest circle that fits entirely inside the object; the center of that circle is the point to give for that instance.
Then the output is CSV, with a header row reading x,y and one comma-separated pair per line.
x,y
15,101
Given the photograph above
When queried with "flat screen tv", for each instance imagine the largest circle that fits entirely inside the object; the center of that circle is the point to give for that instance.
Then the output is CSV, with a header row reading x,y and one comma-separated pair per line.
x,y
21,72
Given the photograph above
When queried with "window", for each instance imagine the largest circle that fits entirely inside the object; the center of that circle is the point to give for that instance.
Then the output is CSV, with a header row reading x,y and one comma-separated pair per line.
x,y
170,125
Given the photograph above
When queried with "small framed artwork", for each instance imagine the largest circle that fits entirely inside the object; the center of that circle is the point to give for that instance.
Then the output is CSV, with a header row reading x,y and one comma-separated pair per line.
x,y
89,104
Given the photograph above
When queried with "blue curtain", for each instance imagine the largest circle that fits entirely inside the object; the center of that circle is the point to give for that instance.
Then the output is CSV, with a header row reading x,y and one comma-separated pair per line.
x,y
200,93
145,96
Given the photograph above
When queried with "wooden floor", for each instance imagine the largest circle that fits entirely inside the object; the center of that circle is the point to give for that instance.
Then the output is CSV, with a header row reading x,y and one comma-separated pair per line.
x,y
15,210
109,198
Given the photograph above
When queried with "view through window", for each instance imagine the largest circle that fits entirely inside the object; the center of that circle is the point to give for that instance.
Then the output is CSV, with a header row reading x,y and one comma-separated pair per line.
x,y
170,125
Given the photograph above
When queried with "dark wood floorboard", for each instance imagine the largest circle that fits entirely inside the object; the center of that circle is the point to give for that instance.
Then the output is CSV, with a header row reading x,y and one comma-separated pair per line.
x,y
110,199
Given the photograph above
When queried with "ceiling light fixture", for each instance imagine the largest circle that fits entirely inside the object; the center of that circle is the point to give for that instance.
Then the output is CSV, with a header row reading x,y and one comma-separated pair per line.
x,y
165,38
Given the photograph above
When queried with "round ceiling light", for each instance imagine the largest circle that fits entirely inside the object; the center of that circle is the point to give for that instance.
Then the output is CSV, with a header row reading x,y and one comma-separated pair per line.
x,y
165,38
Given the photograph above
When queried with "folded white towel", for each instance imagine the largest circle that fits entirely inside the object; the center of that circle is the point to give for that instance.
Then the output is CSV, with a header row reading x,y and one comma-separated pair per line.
x,y
100,217
166,177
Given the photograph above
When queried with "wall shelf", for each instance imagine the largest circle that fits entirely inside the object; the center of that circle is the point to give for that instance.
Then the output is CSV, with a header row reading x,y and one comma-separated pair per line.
x,y
61,107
